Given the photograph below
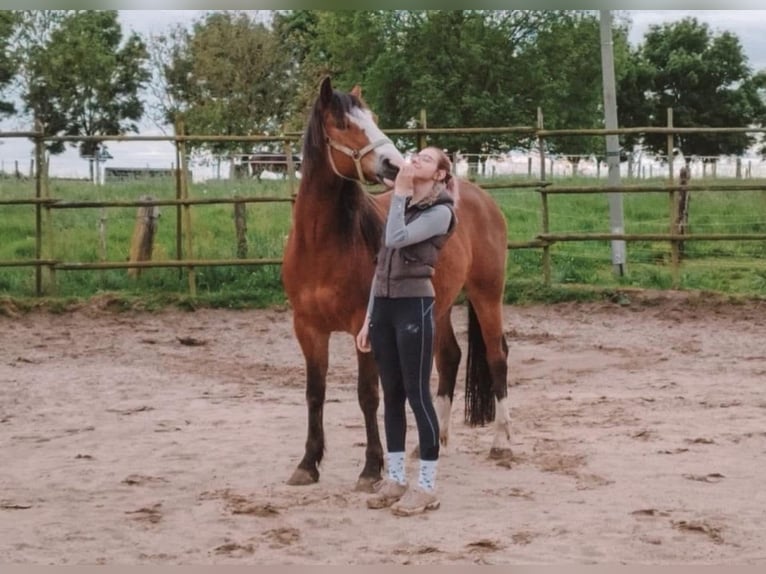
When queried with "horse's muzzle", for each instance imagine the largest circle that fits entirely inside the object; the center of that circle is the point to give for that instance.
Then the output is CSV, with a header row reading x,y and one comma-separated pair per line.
x,y
387,170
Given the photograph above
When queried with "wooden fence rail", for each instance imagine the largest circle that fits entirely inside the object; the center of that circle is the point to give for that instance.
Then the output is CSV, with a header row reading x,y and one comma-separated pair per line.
x,y
44,204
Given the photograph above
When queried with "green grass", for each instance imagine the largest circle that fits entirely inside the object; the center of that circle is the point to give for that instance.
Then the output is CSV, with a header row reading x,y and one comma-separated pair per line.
x,y
730,267
579,269
75,237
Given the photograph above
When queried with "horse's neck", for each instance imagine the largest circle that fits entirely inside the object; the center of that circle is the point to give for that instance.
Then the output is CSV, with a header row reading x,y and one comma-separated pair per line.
x,y
321,193
333,213
317,205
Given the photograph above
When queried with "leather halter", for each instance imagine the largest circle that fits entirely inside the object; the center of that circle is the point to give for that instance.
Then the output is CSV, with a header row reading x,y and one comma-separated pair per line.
x,y
355,155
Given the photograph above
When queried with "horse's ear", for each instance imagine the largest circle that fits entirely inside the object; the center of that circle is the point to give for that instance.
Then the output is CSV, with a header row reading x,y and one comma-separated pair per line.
x,y
325,91
356,91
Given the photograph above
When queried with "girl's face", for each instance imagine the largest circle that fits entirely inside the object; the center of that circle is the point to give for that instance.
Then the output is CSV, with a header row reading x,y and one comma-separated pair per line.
x,y
426,164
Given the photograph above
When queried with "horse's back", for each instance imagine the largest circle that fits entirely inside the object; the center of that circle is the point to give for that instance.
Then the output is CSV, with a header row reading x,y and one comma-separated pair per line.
x,y
480,218
475,254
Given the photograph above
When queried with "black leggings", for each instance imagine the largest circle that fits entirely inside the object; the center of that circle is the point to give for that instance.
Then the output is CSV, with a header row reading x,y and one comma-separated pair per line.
x,y
401,336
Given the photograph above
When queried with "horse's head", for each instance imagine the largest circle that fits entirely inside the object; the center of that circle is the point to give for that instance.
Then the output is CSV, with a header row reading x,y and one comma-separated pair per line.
x,y
349,137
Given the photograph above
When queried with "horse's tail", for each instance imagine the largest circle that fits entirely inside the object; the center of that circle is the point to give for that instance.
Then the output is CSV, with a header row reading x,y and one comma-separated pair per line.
x,y
479,397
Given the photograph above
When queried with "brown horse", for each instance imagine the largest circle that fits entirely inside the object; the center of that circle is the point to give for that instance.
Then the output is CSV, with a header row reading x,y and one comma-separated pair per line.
x,y
328,267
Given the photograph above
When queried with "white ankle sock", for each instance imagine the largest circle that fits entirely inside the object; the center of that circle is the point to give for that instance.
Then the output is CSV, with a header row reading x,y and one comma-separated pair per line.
x,y
427,477
396,471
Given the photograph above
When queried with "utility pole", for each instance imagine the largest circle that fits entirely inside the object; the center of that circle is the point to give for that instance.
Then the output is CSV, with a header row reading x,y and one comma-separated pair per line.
x,y
612,142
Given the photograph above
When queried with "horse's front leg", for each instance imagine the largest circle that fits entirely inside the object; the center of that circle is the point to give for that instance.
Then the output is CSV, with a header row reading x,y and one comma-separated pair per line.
x,y
315,347
369,400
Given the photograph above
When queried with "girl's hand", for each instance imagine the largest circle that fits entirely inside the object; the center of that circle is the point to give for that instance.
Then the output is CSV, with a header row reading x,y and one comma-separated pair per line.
x,y
403,185
363,337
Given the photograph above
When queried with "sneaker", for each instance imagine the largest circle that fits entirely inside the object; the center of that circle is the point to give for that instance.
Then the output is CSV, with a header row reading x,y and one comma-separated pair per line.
x,y
416,501
387,492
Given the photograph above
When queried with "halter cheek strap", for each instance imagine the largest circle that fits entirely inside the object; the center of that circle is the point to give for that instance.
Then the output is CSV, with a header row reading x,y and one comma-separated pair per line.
x,y
355,155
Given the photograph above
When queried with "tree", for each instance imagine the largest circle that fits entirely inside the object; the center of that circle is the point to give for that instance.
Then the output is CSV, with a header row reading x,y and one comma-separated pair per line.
x,y
461,66
83,79
564,64
296,32
170,69
759,81
634,108
466,68
8,67
342,44
230,77
705,78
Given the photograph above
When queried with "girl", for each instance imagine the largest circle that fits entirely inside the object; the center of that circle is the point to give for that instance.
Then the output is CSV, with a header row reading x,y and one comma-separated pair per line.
x,y
399,326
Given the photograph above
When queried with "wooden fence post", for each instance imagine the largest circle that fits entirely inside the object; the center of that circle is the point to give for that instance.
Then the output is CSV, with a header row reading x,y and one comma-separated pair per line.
x,y
144,232
183,188
682,221
49,250
192,274
544,199
675,255
240,223
39,174
179,219
102,234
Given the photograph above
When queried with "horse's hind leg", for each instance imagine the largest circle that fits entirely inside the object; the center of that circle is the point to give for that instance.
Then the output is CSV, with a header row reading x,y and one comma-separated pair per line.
x,y
447,355
315,347
489,313
369,400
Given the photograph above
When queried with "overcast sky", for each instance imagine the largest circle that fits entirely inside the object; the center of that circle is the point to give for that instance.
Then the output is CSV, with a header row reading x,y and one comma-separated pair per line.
x,y
748,25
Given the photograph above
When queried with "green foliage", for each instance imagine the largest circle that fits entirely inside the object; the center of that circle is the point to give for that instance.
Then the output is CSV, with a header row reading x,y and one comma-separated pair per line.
x,y
229,76
462,66
8,66
564,64
81,76
704,77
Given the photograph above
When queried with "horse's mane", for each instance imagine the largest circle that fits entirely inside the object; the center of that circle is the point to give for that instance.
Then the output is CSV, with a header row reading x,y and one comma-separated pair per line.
x,y
357,214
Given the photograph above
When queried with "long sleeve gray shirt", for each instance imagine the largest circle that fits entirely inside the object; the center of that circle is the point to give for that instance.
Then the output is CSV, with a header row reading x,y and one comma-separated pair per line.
x,y
434,221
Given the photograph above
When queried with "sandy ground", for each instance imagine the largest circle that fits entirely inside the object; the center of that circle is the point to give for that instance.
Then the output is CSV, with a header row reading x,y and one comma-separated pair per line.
x,y
167,438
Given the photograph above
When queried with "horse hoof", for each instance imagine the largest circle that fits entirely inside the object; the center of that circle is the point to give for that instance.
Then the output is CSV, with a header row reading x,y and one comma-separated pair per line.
x,y
302,477
366,484
496,453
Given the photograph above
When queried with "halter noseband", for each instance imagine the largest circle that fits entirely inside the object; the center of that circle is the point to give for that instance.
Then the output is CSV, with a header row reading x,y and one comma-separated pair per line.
x,y
355,155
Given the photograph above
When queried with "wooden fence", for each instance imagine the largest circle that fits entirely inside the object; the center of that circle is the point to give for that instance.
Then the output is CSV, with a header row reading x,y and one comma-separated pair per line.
x,y
44,204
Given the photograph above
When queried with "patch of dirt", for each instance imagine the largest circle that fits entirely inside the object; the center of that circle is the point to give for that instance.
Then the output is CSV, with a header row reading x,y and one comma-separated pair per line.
x,y
131,437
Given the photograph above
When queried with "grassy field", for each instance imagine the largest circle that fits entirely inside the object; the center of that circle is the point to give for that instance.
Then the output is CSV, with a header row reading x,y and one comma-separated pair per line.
x,y
733,267
736,267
